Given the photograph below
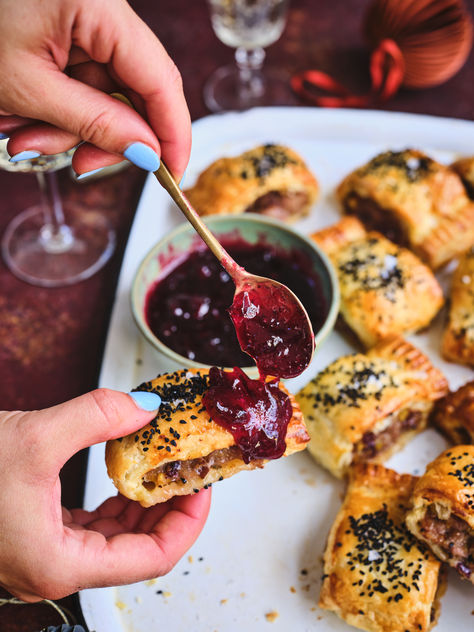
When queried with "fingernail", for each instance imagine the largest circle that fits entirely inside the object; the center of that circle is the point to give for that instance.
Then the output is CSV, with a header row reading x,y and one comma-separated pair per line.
x,y
182,179
142,156
146,400
88,173
25,155
3,136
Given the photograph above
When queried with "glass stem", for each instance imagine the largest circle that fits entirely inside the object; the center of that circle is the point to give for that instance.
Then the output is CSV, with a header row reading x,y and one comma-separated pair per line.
x,y
55,236
250,63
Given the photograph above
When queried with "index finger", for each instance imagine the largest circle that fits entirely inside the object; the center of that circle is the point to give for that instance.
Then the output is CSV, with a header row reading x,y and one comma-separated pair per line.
x,y
139,61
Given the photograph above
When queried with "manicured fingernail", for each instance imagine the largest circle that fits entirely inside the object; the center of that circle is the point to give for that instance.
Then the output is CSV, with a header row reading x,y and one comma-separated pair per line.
x,y
146,400
142,156
25,155
3,136
88,173
182,179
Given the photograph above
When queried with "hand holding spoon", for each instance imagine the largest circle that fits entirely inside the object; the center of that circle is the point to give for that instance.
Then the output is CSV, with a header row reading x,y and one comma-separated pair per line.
x,y
271,323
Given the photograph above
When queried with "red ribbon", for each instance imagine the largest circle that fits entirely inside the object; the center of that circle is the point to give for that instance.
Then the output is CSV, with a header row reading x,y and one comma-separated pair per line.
x,y
386,70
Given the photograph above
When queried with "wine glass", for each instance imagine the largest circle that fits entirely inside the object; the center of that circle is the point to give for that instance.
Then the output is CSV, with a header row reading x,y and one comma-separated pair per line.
x,y
248,26
46,244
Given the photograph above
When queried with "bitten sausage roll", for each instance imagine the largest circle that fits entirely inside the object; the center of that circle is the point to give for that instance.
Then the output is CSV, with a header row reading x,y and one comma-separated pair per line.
x,y
458,338
465,169
271,179
414,201
442,513
454,415
364,407
378,281
377,576
182,450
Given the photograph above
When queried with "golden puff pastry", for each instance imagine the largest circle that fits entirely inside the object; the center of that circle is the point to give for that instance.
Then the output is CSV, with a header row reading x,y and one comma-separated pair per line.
x,y
458,338
465,169
377,577
414,201
364,407
378,281
182,450
270,179
442,513
454,415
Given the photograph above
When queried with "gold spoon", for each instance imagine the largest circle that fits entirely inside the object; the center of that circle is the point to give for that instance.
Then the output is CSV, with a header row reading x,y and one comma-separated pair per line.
x,y
271,323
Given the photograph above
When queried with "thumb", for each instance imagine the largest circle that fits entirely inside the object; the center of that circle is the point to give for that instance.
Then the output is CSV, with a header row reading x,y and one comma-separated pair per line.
x,y
61,431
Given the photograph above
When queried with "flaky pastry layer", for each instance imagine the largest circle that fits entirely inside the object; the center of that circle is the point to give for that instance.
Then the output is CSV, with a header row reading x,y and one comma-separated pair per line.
x,y
270,179
377,576
358,397
182,450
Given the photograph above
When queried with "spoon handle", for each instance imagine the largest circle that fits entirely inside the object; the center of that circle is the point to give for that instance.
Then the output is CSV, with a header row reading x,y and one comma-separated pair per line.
x,y
167,181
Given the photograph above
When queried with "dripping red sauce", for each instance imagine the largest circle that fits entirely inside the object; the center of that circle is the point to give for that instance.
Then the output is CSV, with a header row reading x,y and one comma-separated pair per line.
x,y
189,311
256,413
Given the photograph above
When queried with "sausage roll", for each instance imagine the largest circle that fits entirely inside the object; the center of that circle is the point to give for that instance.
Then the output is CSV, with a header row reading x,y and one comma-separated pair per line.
x,y
414,201
270,179
458,338
442,513
454,415
365,407
465,169
377,282
377,576
182,450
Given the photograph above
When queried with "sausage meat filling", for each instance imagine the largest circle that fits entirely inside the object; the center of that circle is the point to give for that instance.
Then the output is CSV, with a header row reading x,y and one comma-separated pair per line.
x,y
182,470
454,536
372,443
280,205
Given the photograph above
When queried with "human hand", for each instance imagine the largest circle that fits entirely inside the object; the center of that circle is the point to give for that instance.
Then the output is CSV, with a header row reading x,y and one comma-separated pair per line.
x,y
60,59
47,551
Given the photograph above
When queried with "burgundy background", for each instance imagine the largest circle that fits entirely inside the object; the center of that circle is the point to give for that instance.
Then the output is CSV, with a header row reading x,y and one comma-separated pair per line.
x,y
51,340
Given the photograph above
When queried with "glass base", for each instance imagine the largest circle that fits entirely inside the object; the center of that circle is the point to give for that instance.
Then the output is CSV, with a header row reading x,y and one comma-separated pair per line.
x,y
38,255
225,91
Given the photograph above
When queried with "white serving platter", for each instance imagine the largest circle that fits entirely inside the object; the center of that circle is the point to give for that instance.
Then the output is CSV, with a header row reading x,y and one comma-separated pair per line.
x,y
265,527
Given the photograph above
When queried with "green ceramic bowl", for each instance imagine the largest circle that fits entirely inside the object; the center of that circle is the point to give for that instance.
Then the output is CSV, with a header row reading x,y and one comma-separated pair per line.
x,y
172,249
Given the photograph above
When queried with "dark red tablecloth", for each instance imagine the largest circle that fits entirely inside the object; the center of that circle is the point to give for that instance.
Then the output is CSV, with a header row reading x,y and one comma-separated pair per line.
x,y
51,340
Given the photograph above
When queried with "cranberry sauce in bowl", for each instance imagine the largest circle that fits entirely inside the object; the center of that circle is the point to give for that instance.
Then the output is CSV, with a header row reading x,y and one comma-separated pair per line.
x,y
181,295
188,308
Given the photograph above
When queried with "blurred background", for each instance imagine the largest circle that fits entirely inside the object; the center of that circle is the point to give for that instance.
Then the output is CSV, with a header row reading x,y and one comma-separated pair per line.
x,y
52,339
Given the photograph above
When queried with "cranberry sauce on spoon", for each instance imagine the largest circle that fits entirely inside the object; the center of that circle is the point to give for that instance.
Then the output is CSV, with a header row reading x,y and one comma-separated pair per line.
x,y
272,329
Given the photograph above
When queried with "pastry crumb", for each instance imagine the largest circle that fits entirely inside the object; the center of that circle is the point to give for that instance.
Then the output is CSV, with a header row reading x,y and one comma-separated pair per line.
x,y
310,481
190,559
150,582
138,599
292,589
223,601
272,616
120,605
243,595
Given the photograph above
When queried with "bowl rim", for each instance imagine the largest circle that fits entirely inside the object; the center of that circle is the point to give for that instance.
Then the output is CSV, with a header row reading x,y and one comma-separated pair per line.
x,y
255,218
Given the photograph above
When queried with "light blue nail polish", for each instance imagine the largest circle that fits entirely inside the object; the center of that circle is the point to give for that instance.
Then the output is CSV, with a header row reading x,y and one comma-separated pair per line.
x,y
88,173
25,155
3,136
146,400
182,179
142,156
